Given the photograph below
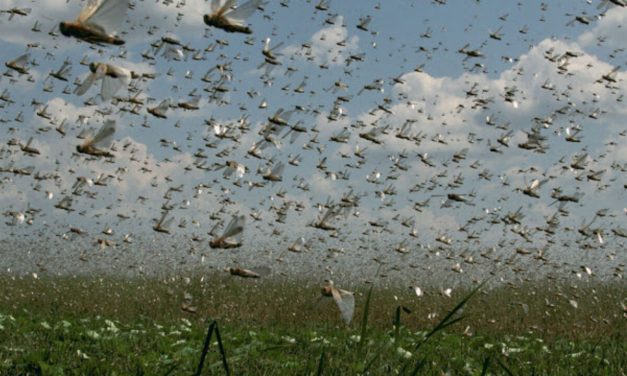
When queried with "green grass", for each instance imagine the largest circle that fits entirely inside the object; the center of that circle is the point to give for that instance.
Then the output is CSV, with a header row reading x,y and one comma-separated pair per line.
x,y
78,326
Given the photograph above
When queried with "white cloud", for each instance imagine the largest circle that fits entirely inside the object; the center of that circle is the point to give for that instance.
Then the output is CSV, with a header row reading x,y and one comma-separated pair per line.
x,y
609,31
330,45
438,105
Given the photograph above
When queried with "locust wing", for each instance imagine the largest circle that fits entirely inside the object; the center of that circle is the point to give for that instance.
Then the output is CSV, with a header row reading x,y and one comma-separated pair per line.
x,y
345,301
239,15
235,228
104,135
91,78
111,85
104,15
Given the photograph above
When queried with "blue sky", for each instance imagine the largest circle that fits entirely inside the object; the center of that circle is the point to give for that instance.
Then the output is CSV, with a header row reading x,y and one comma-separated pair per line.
x,y
400,37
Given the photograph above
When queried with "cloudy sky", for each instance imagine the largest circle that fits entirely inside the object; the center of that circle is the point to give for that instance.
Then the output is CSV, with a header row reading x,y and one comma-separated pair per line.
x,y
422,114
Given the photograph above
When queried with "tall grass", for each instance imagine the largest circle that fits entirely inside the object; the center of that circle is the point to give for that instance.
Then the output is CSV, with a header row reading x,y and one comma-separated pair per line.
x,y
213,328
94,326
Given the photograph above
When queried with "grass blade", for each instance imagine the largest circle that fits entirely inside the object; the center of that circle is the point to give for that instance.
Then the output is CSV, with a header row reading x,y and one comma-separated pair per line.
x,y
451,322
213,326
205,348
504,367
364,319
397,324
320,364
486,365
170,370
222,351
447,320
378,353
421,363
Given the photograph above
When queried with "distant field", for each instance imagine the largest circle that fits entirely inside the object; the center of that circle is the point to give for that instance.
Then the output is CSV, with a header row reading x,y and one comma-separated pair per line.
x,y
77,326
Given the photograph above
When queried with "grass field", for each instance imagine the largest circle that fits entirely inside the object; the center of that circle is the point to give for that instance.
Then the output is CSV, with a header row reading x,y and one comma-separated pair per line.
x,y
80,325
